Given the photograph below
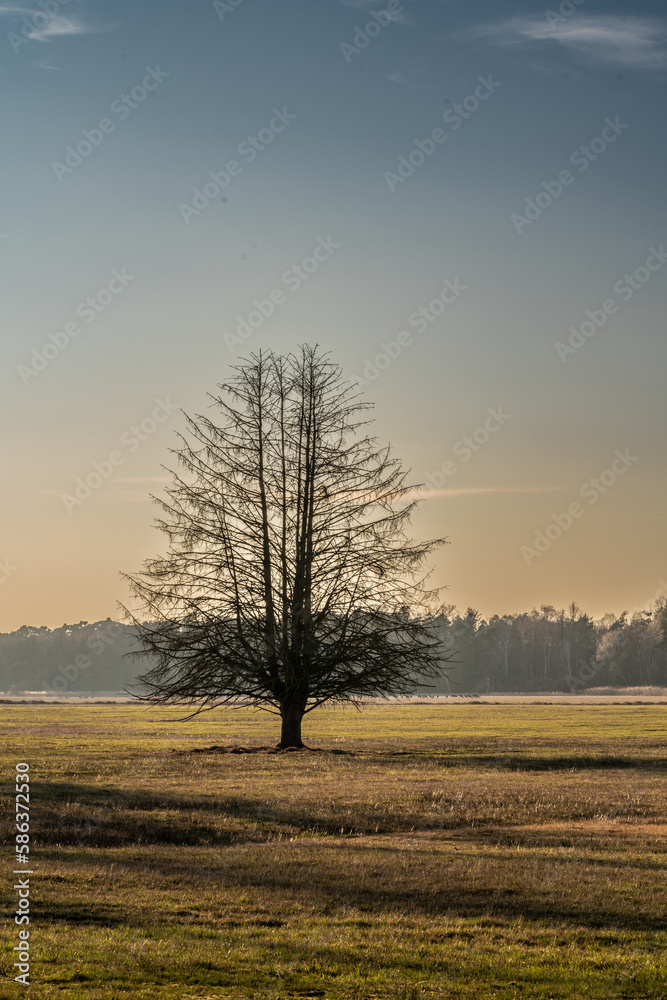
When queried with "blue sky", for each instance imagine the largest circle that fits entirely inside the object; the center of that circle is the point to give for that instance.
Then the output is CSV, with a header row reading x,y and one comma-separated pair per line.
x,y
335,97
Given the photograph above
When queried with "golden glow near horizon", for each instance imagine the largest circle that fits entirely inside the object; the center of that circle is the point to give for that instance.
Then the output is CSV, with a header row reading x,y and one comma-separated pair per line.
x,y
471,227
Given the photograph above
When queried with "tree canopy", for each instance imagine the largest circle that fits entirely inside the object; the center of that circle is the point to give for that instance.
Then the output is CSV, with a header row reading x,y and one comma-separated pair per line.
x,y
289,579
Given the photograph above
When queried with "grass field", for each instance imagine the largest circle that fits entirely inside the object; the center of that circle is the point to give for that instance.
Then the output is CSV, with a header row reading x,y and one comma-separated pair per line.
x,y
467,851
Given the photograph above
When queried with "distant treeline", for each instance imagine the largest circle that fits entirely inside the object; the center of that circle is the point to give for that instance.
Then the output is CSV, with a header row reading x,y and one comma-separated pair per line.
x,y
555,650
542,650
82,657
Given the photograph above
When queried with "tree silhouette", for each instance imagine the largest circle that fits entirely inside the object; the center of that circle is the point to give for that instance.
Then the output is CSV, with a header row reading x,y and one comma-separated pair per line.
x,y
289,580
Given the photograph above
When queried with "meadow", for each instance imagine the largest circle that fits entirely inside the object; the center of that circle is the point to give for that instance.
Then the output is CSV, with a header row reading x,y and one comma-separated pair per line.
x,y
459,851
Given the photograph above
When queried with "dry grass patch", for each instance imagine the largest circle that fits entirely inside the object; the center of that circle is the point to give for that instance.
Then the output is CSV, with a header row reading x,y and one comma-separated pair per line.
x,y
512,851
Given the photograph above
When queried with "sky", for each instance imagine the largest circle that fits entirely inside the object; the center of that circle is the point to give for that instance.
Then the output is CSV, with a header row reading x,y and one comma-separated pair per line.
x,y
463,202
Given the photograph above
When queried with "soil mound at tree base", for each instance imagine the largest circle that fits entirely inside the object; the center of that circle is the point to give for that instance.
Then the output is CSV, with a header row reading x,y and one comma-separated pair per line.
x,y
273,749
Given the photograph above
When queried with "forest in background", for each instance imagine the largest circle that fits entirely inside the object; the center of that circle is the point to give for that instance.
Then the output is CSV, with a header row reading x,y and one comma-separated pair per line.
x,y
546,649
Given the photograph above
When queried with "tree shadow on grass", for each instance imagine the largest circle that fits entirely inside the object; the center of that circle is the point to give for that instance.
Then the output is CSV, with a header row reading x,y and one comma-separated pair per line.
x,y
319,871
528,762
276,749
91,913
588,763
439,893
71,814
286,883
80,815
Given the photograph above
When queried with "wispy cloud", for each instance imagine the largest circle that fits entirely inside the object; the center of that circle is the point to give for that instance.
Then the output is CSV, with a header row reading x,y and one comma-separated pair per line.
x,y
46,63
122,497
631,42
430,494
58,26
368,6
413,76
61,26
144,479
564,70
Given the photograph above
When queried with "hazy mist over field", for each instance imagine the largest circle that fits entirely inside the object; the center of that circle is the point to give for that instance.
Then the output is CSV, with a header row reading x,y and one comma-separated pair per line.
x,y
464,203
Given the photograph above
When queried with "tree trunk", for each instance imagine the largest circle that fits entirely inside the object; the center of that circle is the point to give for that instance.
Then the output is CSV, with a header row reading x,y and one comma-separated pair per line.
x,y
291,714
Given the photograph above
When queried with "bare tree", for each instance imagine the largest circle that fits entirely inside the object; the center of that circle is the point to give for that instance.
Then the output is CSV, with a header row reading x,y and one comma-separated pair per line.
x,y
289,580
